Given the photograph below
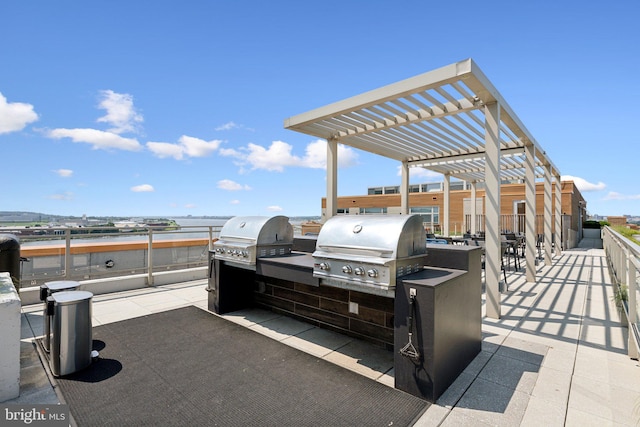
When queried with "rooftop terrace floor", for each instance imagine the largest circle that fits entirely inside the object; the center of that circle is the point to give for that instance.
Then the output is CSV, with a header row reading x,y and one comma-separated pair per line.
x,y
557,357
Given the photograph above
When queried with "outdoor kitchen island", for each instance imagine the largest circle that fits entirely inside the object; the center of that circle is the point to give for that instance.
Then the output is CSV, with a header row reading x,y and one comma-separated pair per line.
x,y
439,304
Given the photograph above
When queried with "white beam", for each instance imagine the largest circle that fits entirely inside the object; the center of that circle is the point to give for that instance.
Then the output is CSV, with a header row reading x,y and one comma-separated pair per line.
x,y
493,243
422,82
332,178
446,205
548,214
462,158
474,208
558,217
404,189
530,212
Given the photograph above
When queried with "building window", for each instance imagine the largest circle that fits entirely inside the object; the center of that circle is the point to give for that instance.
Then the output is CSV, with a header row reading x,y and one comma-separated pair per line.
x,y
414,188
368,211
429,214
457,185
434,186
391,190
342,211
375,190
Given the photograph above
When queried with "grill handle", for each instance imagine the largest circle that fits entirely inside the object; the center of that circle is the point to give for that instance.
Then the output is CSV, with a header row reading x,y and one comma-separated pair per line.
x,y
382,251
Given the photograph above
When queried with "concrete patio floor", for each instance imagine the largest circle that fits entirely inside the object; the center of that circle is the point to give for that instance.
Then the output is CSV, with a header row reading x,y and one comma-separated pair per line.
x,y
556,357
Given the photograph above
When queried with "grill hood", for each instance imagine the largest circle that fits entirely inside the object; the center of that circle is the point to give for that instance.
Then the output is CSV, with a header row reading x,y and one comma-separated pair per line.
x,y
258,230
368,252
372,236
243,239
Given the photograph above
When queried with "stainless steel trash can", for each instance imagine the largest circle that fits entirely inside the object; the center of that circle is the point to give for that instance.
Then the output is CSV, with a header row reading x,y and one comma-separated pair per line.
x,y
71,333
46,291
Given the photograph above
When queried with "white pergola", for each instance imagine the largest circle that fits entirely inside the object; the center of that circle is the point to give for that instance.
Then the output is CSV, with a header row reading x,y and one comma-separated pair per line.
x,y
453,121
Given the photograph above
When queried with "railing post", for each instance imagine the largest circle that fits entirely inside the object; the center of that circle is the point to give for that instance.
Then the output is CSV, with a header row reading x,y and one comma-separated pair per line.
x,y
210,238
67,253
622,264
150,259
632,316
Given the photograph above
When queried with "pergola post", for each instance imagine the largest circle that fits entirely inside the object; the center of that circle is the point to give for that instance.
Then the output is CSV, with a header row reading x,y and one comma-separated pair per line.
x,y
558,217
493,244
404,189
332,178
446,204
474,208
548,214
530,211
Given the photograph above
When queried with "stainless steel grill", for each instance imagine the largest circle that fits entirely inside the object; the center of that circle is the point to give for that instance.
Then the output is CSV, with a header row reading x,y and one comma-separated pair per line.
x,y
369,251
243,239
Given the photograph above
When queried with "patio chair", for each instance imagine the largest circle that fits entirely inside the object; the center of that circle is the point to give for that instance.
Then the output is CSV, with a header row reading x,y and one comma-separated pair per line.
x,y
482,244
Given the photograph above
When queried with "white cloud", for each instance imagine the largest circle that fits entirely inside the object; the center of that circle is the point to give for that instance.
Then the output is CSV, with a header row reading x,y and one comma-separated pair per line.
x,y
143,188
187,146
227,184
195,147
120,112
273,159
235,202
165,149
316,155
67,195
64,173
279,155
274,208
228,126
421,174
15,116
612,195
229,152
582,184
100,140
190,205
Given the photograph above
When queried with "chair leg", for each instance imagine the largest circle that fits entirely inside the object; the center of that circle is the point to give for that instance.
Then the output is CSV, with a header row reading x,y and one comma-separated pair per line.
x,y
504,273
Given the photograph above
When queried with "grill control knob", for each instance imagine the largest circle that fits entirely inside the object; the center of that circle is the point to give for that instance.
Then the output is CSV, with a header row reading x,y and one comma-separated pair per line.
x,y
323,266
245,254
347,269
229,251
359,271
372,272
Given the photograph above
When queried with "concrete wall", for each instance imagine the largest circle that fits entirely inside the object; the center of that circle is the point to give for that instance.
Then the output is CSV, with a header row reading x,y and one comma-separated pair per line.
x,y
31,295
100,261
10,339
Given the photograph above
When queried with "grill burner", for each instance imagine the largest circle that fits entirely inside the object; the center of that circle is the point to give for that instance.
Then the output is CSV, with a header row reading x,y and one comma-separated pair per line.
x,y
369,251
244,239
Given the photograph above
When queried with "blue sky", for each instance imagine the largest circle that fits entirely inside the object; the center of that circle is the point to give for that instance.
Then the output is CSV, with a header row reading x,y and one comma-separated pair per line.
x,y
163,108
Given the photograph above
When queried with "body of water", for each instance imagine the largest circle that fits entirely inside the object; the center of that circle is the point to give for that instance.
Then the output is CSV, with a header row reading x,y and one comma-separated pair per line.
x,y
195,228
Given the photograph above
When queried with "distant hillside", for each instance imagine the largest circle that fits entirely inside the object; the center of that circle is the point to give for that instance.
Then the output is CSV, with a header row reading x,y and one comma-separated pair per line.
x,y
30,217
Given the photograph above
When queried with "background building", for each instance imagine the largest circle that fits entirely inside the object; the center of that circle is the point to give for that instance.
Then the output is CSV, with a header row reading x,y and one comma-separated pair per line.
x,y
427,200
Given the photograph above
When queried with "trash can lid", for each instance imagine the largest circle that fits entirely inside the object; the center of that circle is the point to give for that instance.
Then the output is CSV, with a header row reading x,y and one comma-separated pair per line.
x,y
70,297
59,285
8,242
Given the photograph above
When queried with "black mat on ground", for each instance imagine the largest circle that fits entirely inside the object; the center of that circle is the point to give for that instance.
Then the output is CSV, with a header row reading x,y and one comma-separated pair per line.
x,y
189,367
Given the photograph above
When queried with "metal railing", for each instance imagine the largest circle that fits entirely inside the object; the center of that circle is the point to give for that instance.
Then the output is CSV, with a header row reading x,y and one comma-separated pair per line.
x,y
89,252
623,257
508,223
